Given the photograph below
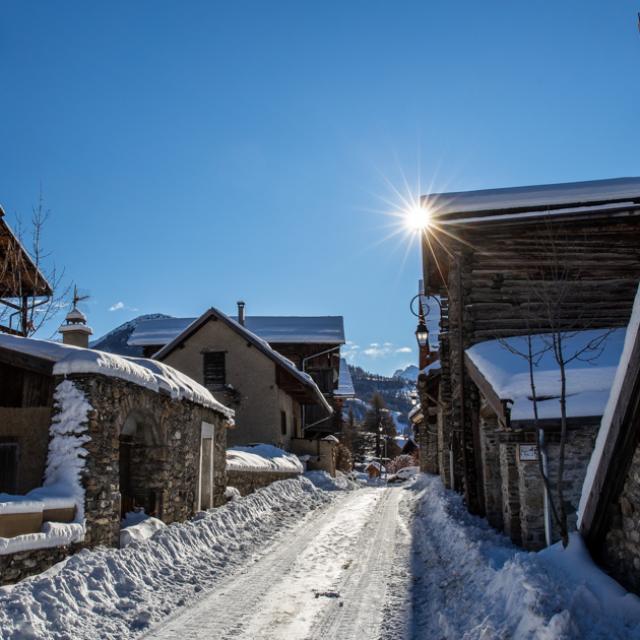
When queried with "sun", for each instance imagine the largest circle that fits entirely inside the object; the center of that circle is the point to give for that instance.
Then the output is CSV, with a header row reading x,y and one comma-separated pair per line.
x,y
417,217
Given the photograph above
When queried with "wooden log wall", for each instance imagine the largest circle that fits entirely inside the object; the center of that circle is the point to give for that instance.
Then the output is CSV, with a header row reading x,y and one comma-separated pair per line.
x,y
494,282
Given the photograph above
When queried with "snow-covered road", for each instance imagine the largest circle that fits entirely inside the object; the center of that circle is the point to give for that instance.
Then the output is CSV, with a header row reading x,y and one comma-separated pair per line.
x,y
328,579
302,560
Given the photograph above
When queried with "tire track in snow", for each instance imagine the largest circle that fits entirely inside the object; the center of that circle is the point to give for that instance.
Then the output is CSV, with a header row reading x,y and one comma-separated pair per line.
x,y
363,591
249,604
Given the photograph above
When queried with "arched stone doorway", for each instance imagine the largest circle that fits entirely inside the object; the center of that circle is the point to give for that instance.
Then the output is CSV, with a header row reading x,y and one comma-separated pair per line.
x,y
143,457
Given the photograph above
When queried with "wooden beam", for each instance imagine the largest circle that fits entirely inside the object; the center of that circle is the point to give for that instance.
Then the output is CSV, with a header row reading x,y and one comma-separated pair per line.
x,y
493,400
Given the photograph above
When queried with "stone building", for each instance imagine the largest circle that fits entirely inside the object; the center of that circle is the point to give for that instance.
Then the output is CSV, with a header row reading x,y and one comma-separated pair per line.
x,y
269,394
87,436
497,259
311,343
610,503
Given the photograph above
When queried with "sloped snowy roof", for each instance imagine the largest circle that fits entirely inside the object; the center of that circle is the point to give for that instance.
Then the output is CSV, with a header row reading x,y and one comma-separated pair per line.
x,y
574,194
273,329
588,384
258,342
67,359
345,383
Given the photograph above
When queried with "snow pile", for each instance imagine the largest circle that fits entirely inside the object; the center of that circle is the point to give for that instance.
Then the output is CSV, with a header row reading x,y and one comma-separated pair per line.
x,y
324,481
138,526
472,583
588,383
66,457
118,593
263,457
612,401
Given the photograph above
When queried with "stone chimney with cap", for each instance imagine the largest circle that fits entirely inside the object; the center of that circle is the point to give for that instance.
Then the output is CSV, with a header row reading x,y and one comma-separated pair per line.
x,y
241,312
74,330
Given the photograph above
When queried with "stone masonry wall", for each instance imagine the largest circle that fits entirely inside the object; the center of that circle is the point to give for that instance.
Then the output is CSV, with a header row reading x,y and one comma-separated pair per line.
x,y
16,566
491,470
510,491
171,463
248,480
522,487
621,549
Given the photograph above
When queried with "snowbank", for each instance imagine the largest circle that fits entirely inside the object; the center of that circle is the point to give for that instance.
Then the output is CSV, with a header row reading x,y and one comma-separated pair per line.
x,y
263,457
117,593
612,401
324,481
137,527
477,585
588,384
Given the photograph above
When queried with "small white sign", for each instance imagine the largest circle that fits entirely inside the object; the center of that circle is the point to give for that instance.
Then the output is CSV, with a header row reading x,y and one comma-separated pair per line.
x,y
527,452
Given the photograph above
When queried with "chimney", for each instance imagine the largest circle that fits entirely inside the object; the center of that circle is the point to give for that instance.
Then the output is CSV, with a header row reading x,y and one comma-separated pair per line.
x,y
241,312
75,330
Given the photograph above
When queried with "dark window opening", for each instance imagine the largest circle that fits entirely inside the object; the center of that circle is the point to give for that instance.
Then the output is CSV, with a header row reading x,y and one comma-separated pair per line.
x,y
8,467
283,423
214,370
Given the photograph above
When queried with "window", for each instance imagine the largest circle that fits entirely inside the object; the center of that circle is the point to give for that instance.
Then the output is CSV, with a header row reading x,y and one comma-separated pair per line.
x,y
283,423
8,467
214,370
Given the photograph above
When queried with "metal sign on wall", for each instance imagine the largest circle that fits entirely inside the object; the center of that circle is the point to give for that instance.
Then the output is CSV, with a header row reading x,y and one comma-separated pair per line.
x,y
527,452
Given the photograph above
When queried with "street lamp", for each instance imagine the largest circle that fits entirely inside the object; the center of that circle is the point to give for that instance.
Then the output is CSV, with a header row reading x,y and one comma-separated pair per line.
x,y
422,334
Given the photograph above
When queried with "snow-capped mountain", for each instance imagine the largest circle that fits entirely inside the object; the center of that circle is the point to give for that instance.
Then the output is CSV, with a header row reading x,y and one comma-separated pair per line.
x,y
409,373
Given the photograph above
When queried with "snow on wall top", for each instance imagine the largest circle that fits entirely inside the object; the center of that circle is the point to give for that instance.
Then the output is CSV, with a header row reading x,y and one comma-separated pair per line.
x,y
605,425
345,383
263,457
273,329
67,359
571,193
588,384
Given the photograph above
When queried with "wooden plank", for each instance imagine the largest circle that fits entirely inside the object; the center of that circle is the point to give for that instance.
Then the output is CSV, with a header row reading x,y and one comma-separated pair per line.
x,y
623,437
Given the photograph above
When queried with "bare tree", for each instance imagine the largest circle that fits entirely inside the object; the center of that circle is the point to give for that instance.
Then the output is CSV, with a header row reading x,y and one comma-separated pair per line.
x,y
31,287
554,308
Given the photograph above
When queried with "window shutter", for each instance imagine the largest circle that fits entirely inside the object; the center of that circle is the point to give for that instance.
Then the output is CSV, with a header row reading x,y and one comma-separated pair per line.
x,y
214,370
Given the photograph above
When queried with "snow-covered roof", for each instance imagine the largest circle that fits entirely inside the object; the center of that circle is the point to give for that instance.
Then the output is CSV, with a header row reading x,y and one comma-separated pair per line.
x,y
633,329
157,331
263,457
415,412
345,383
574,194
588,383
305,379
67,359
273,329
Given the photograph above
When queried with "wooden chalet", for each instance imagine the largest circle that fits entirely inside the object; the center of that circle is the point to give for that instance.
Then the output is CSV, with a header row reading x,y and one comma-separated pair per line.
x,y
22,285
489,254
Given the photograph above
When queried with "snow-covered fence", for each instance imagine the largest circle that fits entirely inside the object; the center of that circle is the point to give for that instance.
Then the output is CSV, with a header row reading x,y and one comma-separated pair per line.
x,y
251,468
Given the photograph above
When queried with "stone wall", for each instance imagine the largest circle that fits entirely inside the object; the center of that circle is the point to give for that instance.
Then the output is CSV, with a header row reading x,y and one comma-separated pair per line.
x,y
166,465
621,549
491,470
522,492
322,453
16,566
248,480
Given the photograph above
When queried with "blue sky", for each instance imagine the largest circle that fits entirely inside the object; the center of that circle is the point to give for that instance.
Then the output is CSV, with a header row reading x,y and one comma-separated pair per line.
x,y
196,153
